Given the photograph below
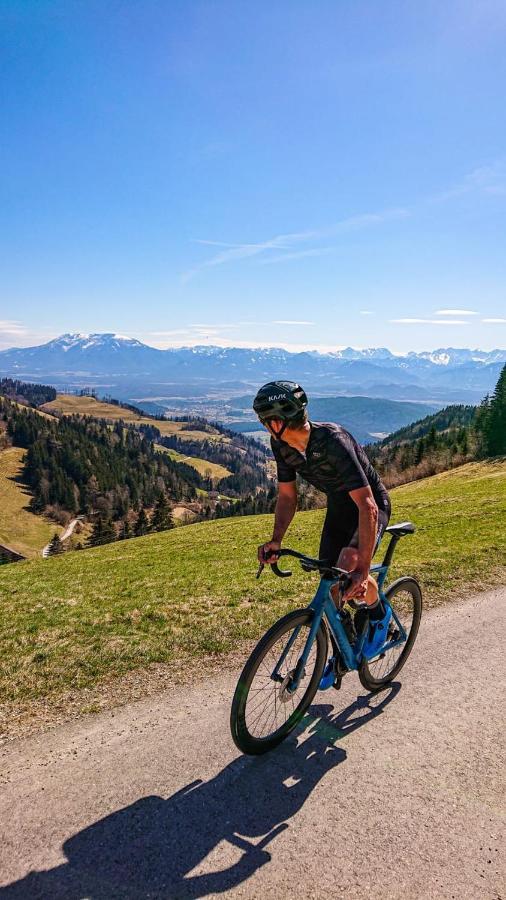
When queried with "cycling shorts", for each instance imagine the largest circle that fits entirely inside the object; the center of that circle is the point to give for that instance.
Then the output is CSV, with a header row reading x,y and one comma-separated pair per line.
x,y
340,529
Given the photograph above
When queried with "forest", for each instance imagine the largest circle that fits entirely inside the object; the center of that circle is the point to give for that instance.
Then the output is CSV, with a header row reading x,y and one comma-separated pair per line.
x,y
451,437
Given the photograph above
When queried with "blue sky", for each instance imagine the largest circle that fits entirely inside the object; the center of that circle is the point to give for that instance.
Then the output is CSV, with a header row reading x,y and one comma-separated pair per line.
x,y
304,174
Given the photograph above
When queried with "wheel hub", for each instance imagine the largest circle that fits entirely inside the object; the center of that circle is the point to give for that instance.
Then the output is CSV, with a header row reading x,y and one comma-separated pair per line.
x,y
284,694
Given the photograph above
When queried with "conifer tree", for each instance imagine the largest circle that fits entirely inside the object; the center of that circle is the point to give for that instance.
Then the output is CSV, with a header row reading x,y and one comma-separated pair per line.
x,y
103,533
125,531
495,422
55,545
142,524
162,519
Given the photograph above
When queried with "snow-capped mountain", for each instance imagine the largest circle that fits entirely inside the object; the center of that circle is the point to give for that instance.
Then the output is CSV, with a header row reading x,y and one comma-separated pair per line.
x,y
70,354
127,368
452,357
83,342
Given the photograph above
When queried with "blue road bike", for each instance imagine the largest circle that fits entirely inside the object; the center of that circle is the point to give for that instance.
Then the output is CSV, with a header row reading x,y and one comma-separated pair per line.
x,y
291,662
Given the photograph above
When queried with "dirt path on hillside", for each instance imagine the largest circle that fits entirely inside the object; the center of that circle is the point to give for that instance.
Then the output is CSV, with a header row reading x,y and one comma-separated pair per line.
x,y
63,536
395,796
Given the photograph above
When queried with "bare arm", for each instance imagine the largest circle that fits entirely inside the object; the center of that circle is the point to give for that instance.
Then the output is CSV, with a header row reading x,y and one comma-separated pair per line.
x,y
286,506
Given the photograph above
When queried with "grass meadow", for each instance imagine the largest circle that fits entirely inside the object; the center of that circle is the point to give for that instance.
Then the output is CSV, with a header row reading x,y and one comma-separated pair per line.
x,y
176,597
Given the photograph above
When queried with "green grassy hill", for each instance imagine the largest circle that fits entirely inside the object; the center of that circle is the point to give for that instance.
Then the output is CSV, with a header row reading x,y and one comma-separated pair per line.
x,y
74,620
202,466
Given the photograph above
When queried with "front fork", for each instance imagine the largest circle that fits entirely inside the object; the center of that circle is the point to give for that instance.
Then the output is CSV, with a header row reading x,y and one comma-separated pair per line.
x,y
293,685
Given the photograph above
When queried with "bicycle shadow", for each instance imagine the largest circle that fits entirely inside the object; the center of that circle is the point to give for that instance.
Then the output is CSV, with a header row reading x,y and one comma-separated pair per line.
x,y
148,849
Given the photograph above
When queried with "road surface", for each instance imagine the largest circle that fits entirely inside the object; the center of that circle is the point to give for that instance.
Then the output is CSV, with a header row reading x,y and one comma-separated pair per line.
x,y
397,796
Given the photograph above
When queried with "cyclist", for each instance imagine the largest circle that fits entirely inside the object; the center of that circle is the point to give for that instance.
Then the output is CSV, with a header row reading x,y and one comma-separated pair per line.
x,y
329,458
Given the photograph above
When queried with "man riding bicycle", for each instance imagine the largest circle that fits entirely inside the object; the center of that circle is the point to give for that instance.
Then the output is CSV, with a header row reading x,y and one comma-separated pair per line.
x,y
329,458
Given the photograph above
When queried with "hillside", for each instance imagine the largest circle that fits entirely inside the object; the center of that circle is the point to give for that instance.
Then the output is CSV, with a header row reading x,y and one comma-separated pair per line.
x,y
457,416
202,466
71,404
436,443
20,529
74,620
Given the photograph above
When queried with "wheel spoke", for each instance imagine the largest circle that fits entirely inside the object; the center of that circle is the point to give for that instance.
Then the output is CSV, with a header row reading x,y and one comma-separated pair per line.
x,y
403,604
269,706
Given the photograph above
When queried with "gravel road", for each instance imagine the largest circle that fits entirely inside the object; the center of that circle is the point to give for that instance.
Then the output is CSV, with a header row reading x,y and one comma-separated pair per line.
x,y
395,796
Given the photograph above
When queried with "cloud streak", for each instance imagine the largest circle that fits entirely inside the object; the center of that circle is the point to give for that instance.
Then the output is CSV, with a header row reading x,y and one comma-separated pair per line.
x,y
456,312
429,322
234,252
291,322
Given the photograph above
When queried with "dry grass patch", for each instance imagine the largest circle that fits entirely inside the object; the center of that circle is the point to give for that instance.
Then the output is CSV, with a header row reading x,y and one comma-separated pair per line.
x,y
70,404
20,529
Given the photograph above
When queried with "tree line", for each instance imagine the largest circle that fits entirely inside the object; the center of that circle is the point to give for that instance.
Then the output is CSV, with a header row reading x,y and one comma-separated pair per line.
x,y
449,438
23,392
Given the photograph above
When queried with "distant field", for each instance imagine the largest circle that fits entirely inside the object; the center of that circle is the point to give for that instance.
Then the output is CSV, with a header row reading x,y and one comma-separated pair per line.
x,y
78,619
70,404
203,466
20,529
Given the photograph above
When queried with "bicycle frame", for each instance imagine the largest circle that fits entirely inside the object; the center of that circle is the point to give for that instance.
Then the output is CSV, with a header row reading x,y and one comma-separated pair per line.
x,y
323,606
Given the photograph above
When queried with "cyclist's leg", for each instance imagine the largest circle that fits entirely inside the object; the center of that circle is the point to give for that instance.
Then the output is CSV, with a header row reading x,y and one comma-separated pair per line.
x,y
348,553
339,528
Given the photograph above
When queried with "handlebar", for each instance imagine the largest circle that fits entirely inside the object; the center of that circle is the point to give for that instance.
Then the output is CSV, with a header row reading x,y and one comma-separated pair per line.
x,y
308,563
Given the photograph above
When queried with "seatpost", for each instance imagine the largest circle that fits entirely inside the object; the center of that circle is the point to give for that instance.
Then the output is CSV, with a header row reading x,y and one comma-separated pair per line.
x,y
390,550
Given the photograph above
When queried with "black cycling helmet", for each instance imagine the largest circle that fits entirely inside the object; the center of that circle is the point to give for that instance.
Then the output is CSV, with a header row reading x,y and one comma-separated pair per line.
x,y
284,400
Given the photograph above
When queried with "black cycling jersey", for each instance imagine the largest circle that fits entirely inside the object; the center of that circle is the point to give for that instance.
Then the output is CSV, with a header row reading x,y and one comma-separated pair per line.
x,y
333,463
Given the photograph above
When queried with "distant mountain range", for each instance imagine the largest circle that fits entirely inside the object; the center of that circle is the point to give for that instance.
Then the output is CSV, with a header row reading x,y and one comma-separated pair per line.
x,y
127,368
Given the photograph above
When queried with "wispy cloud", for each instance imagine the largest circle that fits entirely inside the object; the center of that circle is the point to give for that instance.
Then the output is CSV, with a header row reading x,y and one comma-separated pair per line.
x,y
488,179
429,322
455,312
497,321
7,326
284,257
234,252
16,334
366,312
291,322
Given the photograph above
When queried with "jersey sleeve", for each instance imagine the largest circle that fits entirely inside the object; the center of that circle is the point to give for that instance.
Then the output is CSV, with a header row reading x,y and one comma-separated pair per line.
x,y
285,472
348,464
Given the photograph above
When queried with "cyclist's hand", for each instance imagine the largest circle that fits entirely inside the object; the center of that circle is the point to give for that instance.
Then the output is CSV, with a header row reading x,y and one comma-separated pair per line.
x,y
358,587
271,547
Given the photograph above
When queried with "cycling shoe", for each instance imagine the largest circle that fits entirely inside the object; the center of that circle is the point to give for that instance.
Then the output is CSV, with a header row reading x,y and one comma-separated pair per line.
x,y
377,635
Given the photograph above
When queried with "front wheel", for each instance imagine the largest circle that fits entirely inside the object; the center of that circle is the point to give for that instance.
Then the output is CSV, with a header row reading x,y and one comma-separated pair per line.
x,y
264,709
405,598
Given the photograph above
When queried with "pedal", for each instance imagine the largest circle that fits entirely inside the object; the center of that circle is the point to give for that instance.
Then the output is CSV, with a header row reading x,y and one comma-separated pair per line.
x,y
338,680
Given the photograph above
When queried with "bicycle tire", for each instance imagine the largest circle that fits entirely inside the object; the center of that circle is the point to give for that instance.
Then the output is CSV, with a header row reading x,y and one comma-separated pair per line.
x,y
406,585
246,741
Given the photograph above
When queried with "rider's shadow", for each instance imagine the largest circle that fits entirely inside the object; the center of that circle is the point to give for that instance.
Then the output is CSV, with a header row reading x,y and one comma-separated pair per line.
x,y
147,849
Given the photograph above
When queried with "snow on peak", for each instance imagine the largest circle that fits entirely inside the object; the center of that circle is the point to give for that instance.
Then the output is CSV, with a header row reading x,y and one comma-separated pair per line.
x,y
85,341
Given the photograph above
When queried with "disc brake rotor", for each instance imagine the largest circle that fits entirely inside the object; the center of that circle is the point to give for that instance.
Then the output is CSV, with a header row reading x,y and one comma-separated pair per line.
x,y
284,695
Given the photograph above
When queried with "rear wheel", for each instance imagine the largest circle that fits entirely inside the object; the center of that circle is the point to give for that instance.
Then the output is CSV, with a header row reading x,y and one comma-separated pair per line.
x,y
264,710
405,598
